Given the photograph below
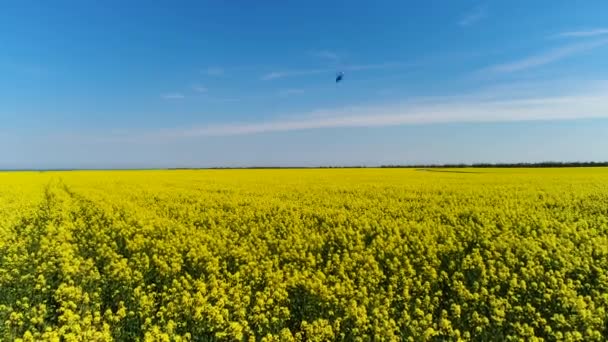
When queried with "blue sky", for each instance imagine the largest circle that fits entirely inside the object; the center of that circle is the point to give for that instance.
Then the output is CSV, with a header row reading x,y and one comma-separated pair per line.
x,y
239,83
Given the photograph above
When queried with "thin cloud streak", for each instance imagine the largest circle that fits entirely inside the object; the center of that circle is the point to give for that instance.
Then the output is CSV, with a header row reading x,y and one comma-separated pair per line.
x,y
214,71
289,92
308,72
473,16
545,58
583,34
592,103
199,89
326,55
173,96
292,73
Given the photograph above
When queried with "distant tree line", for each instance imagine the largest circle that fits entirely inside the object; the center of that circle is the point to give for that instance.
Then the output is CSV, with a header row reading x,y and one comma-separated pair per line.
x,y
504,165
476,165
426,166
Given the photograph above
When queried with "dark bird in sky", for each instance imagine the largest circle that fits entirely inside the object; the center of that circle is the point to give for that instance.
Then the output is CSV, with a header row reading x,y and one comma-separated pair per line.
x,y
339,77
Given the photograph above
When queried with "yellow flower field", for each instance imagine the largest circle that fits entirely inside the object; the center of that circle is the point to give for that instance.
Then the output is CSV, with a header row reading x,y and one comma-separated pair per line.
x,y
304,255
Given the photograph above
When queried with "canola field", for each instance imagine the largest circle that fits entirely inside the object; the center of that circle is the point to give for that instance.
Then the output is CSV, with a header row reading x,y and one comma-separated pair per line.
x,y
304,255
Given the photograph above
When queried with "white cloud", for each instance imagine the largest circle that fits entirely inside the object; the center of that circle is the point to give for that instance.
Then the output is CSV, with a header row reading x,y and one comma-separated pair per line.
x,y
326,54
214,71
583,34
289,92
199,88
545,57
173,96
387,65
307,72
291,73
473,16
227,99
482,106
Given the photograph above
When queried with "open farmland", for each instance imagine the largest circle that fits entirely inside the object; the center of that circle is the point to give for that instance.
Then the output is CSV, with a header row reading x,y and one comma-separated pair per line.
x,y
305,255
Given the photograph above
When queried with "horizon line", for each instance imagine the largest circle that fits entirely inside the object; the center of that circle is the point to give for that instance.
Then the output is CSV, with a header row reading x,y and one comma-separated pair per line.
x,y
544,164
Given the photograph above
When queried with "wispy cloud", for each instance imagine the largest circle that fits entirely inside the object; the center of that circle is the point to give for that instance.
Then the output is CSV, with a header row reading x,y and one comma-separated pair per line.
x,y
290,92
326,54
482,106
172,96
199,88
291,73
227,99
582,34
473,16
545,57
214,71
388,65
308,72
